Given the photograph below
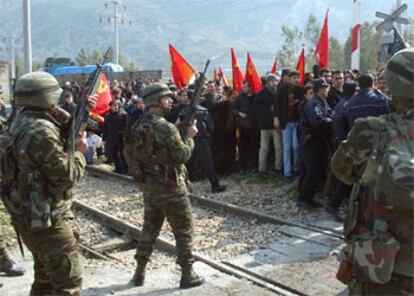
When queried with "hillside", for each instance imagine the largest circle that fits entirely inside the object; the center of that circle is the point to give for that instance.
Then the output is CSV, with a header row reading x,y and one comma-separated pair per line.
x,y
199,29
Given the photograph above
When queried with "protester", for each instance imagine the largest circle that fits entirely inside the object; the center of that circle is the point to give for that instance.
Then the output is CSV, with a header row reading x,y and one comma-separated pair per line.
x,y
114,128
246,121
286,119
264,106
94,142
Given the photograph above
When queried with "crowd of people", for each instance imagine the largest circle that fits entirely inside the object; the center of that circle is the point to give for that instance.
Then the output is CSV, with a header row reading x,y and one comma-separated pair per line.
x,y
305,122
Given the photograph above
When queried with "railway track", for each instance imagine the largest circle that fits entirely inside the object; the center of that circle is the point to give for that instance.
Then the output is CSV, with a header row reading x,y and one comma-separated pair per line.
x,y
225,265
233,209
133,232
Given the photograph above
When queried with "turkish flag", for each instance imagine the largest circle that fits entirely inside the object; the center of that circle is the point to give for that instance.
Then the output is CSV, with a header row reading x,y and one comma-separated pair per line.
x,y
223,77
274,68
301,67
104,97
322,49
182,72
252,75
238,78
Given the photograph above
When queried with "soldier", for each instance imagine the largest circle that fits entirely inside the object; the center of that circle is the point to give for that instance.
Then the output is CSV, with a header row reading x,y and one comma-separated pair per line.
x,y
377,158
40,190
159,157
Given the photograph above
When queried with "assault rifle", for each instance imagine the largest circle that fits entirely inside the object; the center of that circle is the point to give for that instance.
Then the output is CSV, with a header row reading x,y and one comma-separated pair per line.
x,y
191,113
80,117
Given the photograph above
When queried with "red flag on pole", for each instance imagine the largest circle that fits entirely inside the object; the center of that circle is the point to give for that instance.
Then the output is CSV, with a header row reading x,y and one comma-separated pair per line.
x,y
104,97
223,77
274,68
182,71
252,75
301,67
238,78
322,48
215,77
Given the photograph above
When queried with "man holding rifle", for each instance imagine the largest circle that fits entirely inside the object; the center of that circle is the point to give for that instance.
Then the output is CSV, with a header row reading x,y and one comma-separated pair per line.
x,y
37,179
159,154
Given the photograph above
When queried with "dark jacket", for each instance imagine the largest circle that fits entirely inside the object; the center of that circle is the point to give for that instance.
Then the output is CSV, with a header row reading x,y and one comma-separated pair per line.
x,y
70,108
114,127
245,104
340,125
318,118
264,108
175,113
205,125
211,99
334,96
365,103
282,108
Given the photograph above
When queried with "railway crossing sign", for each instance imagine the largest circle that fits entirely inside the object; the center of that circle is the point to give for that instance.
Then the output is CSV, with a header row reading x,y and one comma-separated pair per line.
x,y
389,19
392,41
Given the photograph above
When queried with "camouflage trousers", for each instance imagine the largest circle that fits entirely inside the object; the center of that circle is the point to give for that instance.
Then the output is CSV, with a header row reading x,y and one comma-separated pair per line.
x,y
399,285
178,213
57,269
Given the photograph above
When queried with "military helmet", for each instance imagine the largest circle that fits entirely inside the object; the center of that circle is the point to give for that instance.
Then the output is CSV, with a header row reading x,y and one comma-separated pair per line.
x,y
37,89
152,93
399,74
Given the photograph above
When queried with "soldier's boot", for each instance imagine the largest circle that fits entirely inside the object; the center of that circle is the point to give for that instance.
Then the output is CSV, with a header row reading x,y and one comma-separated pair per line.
x,y
8,266
189,278
139,276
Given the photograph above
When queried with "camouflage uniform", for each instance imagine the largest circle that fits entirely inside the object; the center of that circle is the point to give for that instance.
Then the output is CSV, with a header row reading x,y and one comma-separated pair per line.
x,y
159,157
379,228
39,201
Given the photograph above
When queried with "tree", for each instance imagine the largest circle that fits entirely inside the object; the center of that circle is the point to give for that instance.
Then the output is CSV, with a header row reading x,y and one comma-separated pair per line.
x,y
369,48
336,55
82,57
95,57
295,40
290,49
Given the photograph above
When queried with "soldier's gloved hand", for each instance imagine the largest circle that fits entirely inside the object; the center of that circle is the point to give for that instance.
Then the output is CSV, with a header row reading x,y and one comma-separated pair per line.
x,y
192,130
81,144
92,101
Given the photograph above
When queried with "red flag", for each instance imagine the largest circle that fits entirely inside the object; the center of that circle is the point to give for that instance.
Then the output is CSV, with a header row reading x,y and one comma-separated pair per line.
x,y
215,77
274,68
322,49
181,70
301,67
104,97
252,75
223,77
238,78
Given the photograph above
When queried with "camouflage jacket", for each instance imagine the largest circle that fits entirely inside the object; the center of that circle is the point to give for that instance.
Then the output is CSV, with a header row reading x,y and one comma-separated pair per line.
x,y
41,191
367,214
160,154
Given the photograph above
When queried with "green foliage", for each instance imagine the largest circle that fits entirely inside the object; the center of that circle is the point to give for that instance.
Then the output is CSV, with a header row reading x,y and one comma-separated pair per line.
x,y
336,55
295,40
369,48
82,57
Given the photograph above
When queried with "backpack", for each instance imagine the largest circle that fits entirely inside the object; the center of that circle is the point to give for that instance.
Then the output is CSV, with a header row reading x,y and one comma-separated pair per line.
x,y
390,170
143,138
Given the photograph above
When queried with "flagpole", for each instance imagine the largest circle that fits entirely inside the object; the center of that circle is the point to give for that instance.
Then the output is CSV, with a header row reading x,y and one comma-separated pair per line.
x,y
356,36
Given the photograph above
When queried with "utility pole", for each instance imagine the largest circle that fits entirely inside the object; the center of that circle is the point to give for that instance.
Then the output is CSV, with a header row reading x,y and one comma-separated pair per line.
x,y
117,18
27,37
11,45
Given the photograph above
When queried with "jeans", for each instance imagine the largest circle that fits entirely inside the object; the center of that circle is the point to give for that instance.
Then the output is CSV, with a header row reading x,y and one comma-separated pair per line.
x,y
290,144
89,155
265,136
